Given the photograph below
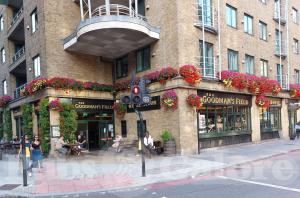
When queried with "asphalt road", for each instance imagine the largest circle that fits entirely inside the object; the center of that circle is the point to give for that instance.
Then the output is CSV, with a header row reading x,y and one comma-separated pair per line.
x,y
275,177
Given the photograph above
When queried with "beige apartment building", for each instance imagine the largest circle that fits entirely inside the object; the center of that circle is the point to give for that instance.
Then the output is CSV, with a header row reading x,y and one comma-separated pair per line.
x,y
105,41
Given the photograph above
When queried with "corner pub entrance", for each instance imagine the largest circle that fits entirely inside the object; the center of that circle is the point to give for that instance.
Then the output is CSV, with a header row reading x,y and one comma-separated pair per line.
x,y
95,122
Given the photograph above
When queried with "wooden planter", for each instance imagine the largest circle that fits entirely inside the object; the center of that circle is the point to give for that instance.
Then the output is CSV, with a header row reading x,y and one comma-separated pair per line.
x,y
170,148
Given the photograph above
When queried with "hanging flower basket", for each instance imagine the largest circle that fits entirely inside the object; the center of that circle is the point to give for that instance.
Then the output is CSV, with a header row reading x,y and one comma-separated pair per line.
x,y
190,73
170,100
195,101
4,100
262,102
120,109
295,91
56,105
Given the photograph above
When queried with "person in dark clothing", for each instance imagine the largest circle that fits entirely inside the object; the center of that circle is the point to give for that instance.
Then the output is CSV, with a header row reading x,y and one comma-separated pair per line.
x,y
36,153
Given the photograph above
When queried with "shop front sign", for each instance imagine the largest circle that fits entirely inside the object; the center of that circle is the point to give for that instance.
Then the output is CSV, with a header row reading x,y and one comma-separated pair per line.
x,y
90,105
227,99
275,102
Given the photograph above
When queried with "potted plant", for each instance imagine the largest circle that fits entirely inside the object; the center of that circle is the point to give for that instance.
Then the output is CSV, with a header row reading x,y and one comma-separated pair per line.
x,y
169,143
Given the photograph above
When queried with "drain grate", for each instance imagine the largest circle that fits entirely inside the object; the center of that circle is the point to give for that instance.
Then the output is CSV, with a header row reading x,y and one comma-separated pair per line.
x,y
9,186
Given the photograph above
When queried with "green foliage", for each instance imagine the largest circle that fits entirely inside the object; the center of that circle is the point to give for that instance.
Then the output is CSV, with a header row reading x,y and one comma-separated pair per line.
x,y
27,110
44,123
68,123
166,135
7,127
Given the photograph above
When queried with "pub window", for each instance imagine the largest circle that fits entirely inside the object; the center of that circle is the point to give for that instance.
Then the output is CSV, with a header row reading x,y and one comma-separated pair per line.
x,y
122,67
143,59
270,119
224,119
124,128
138,125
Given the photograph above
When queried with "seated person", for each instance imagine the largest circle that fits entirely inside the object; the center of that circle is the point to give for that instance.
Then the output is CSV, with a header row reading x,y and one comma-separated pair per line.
x,y
148,140
117,143
81,141
60,146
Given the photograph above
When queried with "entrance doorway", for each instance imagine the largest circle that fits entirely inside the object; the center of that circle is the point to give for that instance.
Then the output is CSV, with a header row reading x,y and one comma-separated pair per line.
x,y
98,134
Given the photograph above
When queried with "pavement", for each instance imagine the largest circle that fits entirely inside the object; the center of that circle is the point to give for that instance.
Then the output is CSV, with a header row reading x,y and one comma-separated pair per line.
x,y
106,170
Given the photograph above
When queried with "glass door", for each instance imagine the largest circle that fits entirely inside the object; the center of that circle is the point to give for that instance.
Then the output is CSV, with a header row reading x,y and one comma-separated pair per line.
x,y
106,133
292,122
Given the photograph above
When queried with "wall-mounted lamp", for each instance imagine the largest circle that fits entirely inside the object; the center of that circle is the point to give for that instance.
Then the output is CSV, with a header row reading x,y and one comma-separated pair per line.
x,y
270,34
243,61
29,69
147,7
153,54
27,27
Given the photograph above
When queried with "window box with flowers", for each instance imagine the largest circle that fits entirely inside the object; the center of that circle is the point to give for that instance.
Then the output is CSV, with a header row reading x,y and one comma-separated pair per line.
x,y
190,73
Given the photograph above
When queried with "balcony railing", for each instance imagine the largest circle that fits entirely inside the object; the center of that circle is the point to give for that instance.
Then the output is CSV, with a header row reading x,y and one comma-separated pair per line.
x,y
118,10
19,54
283,81
207,17
208,67
15,19
19,91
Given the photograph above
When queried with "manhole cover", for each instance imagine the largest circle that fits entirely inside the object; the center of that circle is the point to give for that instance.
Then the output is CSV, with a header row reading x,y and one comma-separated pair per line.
x,y
9,186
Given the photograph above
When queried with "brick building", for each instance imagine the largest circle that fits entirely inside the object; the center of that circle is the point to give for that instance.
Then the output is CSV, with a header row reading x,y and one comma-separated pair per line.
x,y
104,41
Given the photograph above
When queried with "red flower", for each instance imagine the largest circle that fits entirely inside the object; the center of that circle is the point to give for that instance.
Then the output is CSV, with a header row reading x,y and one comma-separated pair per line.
x,y
195,101
190,74
262,101
4,100
56,105
170,99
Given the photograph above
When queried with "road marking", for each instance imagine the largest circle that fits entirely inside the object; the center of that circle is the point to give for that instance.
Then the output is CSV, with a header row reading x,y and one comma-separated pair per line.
x,y
262,184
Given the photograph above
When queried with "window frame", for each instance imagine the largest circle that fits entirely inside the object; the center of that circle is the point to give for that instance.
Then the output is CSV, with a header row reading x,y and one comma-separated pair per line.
x,y
261,32
143,51
36,72
4,83
122,64
297,76
230,23
295,46
247,56
34,20
3,55
247,25
264,67
295,15
1,23
237,59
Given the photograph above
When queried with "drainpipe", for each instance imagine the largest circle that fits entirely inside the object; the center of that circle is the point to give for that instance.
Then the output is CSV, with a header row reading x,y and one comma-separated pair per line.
x,y
219,40
203,39
136,8
107,7
81,10
90,9
287,44
130,8
280,42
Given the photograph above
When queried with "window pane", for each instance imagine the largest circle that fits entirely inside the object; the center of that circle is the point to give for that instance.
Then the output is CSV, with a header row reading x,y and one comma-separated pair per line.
x,y
231,16
249,61
233,60
146,58
139,61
